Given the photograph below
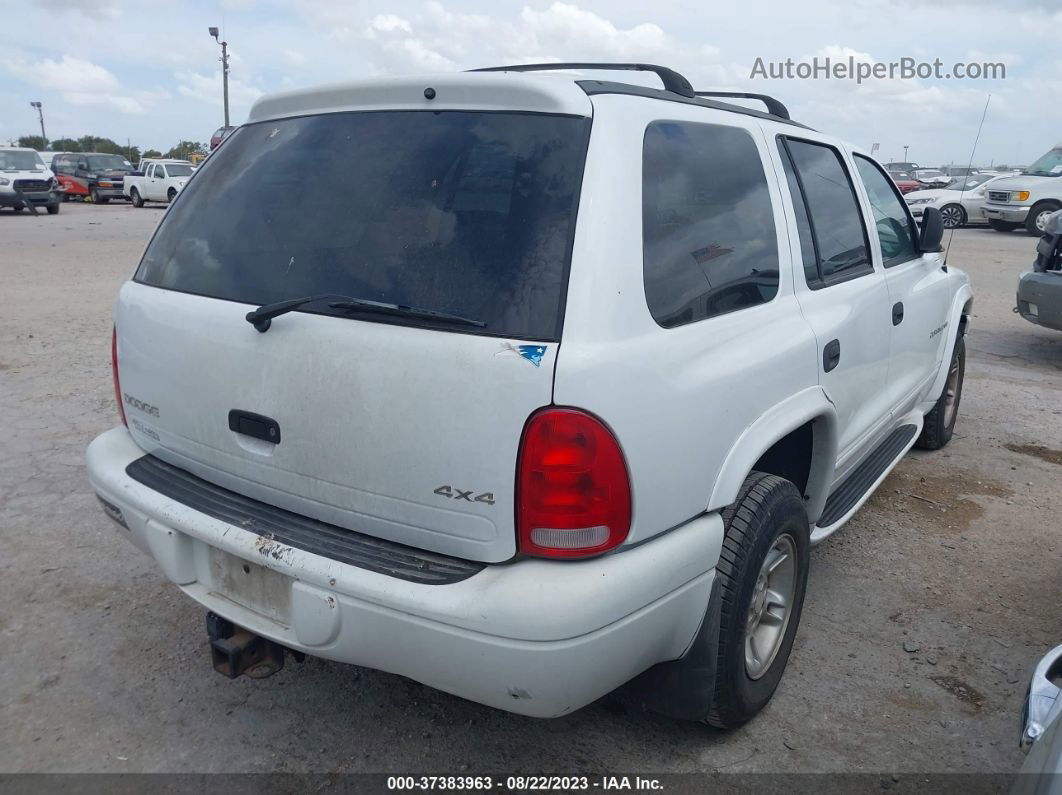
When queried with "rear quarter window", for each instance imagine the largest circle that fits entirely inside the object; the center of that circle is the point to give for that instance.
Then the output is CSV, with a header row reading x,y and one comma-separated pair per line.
x,y
708,231
467,213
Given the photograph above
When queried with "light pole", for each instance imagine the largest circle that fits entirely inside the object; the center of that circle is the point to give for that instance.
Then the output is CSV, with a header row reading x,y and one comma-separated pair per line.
x,y
224,70
40,113
905,148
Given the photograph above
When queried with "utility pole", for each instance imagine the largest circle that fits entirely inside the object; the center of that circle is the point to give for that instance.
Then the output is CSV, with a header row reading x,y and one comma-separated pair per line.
x,y
224,70
905,148
40,113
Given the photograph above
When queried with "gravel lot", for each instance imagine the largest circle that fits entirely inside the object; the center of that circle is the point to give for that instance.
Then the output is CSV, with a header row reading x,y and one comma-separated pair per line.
x,y
924,616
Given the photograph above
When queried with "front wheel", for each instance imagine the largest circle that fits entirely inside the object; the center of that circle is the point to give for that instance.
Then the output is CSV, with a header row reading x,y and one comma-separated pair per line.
x,y
171,194
135,197
1036,221
763,573
953,216
53,209
939,423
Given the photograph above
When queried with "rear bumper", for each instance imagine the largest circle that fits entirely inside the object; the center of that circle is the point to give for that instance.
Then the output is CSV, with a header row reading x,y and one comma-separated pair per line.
x,y
534,637
999,212
1040,298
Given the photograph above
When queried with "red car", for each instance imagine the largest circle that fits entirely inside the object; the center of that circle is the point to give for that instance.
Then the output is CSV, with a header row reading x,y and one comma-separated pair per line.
x,y
905,182
220,134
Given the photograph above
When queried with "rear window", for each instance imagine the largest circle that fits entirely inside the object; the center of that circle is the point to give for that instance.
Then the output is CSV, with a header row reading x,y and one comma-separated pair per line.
x,y
468,213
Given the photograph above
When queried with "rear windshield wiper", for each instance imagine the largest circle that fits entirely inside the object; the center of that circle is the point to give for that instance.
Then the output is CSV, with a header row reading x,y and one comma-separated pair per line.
x,y
262,317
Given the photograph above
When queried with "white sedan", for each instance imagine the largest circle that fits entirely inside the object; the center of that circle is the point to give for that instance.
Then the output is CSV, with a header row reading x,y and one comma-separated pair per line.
x,y
959,203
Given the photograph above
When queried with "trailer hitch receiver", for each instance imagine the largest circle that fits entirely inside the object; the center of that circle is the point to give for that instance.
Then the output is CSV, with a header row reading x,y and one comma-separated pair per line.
x,y
236,651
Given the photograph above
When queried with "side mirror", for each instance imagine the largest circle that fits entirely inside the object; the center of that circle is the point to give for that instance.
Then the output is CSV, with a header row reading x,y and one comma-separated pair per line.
x,y
932,231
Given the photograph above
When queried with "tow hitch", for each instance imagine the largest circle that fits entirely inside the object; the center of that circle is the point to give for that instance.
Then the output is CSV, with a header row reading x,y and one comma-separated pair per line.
x,y
236,651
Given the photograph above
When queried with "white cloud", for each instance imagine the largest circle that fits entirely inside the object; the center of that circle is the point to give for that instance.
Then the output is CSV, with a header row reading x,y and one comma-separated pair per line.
x,y
294,57
80,83
208,88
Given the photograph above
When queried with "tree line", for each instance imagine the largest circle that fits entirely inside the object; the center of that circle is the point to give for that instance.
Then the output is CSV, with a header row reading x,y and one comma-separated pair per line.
x,y
92,143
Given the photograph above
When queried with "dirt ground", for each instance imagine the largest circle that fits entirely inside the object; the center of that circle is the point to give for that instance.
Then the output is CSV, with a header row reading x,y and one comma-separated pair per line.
x,y
924,615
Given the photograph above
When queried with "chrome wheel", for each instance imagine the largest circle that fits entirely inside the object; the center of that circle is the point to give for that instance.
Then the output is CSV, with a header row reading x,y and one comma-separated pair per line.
x,y
1041,220
952,216
770,606
951,393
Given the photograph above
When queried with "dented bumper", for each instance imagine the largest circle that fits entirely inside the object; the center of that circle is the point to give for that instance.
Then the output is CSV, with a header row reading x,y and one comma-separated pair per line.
x,y
539,638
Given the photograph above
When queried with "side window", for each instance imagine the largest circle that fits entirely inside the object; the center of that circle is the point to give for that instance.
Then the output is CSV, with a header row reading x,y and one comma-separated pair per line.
x,y
834,219
891,218
709,244
82,164
160,171
803,221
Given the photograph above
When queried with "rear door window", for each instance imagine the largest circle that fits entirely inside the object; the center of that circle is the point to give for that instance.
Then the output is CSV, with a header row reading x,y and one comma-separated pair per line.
x,y
467,213
709,244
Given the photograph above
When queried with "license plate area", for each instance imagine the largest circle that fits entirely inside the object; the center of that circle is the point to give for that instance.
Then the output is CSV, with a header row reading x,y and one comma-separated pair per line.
x,y
251,586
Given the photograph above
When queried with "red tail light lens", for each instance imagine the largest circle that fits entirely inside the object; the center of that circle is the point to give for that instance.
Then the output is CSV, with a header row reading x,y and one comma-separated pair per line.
x,y
114,372
573,494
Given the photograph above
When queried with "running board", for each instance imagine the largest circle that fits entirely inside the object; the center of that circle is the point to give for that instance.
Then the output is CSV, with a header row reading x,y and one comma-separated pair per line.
x,y
858,486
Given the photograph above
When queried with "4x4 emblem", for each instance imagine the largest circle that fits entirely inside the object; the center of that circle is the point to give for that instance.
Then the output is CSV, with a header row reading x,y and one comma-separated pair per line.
x,y
460,494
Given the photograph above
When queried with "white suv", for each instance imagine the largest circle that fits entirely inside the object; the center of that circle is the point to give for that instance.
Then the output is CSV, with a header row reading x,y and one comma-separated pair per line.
x,y
544,385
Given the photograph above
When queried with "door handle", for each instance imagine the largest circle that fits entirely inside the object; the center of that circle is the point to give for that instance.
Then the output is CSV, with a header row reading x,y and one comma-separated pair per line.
x,y
897,313
831,355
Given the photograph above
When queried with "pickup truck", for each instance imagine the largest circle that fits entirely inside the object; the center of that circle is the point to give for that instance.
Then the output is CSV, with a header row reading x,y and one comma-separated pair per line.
x,y
559,398
157,181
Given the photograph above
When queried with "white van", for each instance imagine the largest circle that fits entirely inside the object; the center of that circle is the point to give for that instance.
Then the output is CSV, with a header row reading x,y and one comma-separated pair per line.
x,y
1027,199
25,181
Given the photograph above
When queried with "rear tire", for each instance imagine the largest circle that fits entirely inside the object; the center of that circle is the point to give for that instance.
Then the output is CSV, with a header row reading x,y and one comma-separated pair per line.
x,y
766,535
1003,226
939,423
135,197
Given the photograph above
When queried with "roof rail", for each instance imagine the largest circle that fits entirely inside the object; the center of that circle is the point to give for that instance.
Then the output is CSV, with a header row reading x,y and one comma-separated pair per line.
x,y
774,107
671,79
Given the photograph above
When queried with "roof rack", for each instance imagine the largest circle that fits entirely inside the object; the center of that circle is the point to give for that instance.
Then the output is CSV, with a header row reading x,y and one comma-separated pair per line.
x,y
671,79
774,107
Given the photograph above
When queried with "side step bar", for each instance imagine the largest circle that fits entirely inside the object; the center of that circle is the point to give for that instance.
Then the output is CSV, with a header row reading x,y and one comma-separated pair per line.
x,y
862,479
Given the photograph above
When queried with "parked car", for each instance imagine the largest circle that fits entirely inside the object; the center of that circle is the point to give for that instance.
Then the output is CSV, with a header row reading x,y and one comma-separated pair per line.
x,y
959,201
220,134
931,177
96,175
904,183
1027,199
160,181
1040,290
904,166
350,429
1041,735
25,181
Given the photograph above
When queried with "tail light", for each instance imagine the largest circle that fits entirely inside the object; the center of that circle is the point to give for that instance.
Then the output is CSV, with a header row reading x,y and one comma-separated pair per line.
x,y
573,494
114,372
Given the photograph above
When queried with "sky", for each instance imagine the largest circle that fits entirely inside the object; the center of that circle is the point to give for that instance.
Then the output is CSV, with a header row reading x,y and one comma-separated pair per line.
x,y
148,72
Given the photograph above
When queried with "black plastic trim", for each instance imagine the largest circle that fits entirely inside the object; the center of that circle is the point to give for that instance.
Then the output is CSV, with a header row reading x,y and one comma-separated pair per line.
x,y
774,107
857,484
329,541
672,80
595,87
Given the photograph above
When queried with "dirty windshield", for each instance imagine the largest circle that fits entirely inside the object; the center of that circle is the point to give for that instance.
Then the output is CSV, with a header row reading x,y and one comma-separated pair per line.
x,y
466,213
